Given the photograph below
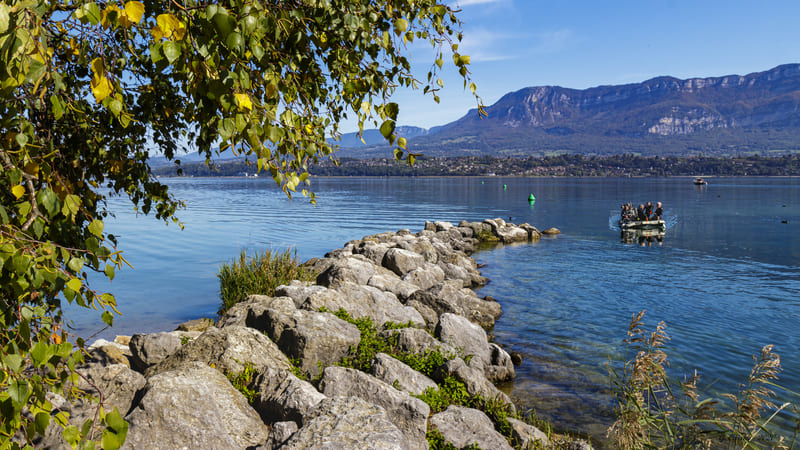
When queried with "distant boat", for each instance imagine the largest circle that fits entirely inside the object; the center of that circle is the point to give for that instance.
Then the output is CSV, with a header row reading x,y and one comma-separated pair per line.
x,y
699,181
626,225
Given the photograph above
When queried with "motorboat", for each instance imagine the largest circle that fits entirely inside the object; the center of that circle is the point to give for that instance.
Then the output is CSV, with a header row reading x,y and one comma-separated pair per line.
x,y
626,225
699,181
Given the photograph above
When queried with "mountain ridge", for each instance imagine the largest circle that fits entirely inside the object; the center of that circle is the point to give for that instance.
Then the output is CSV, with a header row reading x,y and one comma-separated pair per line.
x,y
757,112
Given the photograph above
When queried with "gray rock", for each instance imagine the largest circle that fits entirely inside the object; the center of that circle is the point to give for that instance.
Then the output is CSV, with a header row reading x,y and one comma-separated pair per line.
x,y
193,406
533,233
454,272
106,353
579,444
236,315
408,413
279,434
501,366
470,338
381,306
229,349
425,276
150,349
419,342
511,234
312,297
348,423
401,261
355,269
388,281
311,337
474,380
282,396
118,385
527,435
450,297
372,250
431,317
466,426
552,231
200,325
398,374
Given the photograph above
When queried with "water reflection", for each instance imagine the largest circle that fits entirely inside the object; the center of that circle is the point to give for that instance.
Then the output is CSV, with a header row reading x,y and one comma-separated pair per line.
x,y
643,237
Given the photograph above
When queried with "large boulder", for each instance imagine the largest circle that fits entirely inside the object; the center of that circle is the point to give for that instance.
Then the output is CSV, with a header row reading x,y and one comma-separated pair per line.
x,y
474,381
408,413
466,426
470,338
401,261
236,315
312,337
379,305
116,385
501,366
279,433
528,436
348,423
400,375
450,297
281,396
193,406
228,349
386,280
418,342
425,276
152,348
356,269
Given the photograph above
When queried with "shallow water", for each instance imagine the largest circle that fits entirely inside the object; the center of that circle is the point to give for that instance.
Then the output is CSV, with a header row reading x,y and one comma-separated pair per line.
x,y
725,277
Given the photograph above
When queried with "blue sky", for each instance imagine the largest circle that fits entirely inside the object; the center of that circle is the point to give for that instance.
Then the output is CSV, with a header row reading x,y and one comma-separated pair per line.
x,y
584,43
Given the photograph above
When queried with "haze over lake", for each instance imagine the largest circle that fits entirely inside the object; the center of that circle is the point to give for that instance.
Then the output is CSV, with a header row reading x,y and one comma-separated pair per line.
x,y
725,278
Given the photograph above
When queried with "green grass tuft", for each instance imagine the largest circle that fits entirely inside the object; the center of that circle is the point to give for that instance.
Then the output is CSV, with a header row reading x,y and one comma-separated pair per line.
x,y
260,274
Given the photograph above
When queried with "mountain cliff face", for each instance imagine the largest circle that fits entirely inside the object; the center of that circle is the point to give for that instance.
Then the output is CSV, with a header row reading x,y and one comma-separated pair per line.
x,y
759,112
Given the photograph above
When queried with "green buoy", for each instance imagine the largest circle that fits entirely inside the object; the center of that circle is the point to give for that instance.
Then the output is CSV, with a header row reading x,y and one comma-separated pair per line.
x,y
505,187
531,198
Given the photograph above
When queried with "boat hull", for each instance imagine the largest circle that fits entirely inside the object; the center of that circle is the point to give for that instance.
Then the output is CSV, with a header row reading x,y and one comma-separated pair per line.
x,y
642,225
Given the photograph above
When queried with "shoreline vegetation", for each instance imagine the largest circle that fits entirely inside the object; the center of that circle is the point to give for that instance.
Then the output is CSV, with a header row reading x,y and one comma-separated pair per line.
x,y
383,344
557,165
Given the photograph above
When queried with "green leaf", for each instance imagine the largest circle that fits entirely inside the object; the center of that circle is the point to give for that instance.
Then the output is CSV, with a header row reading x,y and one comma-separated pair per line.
x,y
391,110
75,284
88,13
96,228
75,265
13,361
172,50
387,128
108,318
19,393
4,17
71,435
401,142
41,421
400,26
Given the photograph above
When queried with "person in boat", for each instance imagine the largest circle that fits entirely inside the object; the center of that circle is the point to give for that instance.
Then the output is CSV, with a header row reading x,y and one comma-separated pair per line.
x,y
648,210
659,211
640,213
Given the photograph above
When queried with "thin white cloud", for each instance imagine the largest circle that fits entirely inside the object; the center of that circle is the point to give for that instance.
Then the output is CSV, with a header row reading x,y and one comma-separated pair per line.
x,y
483,45
551,41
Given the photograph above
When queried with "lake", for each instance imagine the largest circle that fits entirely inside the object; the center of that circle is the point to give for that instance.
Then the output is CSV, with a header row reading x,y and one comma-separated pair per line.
x,y
725,277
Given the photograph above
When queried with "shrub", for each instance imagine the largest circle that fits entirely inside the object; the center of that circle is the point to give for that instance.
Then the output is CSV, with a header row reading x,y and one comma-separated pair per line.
x,y
260,274
655,412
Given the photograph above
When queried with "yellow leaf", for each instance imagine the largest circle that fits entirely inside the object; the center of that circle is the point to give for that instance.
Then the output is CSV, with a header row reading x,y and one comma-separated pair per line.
x,y
101,88
243,100
170,27
98,68
134,10
18,191
75,284
106,15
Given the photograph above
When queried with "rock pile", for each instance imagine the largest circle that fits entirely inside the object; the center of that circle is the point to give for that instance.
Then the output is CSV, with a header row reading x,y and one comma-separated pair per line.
x,y
172,389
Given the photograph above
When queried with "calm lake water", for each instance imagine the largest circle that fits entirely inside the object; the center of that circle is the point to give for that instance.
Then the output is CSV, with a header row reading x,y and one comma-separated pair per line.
x,y
725,277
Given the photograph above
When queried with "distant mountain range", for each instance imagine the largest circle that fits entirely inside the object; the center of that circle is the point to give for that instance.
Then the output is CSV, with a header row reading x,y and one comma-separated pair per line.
x,y
720,116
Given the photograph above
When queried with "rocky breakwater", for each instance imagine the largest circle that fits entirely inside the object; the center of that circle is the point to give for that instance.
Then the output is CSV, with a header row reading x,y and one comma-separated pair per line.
x,y
301,365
